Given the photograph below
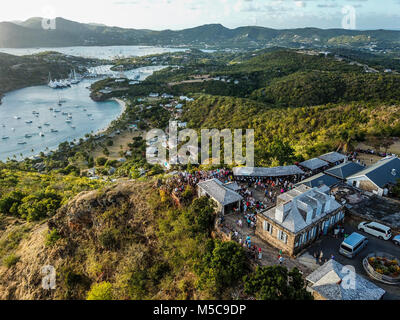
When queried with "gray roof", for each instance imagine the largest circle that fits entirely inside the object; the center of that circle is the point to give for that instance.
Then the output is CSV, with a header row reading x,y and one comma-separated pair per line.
x,y
216,190
267,172
333,157
344,170
295,218
233,186
319,180
382,173
329,281
314,164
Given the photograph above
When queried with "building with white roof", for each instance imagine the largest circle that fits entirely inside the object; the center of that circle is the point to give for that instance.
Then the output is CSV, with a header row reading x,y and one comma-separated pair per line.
x,y
335,158
300,216
224,197
314,164
377,178
333,281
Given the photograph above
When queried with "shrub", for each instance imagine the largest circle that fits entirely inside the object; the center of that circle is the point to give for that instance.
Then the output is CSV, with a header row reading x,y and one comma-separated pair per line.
x,y
100,291
101,161
222,266
10,260
52,237
109,239
276,283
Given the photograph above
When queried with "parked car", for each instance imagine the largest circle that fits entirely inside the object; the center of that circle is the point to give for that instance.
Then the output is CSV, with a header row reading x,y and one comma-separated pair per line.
x,y
353,244
376,229
396,240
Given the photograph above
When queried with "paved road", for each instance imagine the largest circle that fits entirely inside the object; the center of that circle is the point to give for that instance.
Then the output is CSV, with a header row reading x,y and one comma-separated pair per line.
x,y
330,245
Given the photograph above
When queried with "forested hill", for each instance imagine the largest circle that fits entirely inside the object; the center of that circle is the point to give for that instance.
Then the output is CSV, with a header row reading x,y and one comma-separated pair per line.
x,y
70,33
317,87
284,135
281,77
19,72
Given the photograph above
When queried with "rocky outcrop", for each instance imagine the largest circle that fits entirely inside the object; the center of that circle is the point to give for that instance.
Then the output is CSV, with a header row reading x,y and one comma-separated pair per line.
x,y
80,224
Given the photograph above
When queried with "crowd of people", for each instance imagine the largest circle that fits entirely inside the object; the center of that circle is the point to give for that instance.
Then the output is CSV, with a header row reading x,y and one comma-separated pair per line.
x,y
178,182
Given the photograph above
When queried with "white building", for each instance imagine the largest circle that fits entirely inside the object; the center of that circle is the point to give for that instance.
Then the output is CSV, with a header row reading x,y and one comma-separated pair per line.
x,y
378,177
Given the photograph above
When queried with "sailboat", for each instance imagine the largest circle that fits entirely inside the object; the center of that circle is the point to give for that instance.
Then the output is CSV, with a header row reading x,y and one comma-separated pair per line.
x,y
61,100
52,84
74,79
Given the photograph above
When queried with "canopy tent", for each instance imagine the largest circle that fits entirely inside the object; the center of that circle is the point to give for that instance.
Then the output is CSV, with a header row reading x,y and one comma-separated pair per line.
x,y
267,172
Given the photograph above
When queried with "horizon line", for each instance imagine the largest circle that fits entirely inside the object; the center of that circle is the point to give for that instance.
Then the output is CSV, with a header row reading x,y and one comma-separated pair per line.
x,y
16,22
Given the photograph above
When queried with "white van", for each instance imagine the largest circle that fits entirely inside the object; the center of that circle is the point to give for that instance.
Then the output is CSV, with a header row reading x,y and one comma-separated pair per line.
x,y
352,245
376,229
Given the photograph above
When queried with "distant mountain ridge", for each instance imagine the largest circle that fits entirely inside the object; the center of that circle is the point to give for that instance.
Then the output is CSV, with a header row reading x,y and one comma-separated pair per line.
x,y
69,33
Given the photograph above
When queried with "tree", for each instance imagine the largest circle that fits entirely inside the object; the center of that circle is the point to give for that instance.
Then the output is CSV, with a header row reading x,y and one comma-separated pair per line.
x,y
101,161
222,266
201,215
276,283
281,151
100,291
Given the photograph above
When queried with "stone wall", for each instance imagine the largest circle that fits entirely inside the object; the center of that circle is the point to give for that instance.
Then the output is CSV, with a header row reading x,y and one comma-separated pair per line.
x,y
272,239
289,247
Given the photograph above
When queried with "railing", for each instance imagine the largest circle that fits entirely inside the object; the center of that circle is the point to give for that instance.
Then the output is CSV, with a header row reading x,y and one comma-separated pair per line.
x,y
376,275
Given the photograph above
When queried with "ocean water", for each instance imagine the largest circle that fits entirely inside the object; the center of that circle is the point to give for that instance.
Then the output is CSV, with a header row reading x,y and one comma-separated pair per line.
x,y
21,103
109,52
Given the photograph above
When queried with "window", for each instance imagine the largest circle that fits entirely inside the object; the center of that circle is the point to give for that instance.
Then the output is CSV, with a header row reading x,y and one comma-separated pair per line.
x,y
314,232
358,246
282,236
268,227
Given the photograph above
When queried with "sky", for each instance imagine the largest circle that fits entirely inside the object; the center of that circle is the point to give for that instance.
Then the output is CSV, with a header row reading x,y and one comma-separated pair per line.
x,y
181,14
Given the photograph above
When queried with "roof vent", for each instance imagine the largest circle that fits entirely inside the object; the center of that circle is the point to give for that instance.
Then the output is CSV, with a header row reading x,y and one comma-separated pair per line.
x,y
394,172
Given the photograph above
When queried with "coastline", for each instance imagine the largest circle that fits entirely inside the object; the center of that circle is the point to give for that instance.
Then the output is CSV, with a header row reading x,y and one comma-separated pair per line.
x,y
123,105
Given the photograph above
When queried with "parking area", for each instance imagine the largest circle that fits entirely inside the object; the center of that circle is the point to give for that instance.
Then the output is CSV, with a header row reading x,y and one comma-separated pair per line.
x,y
330,246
